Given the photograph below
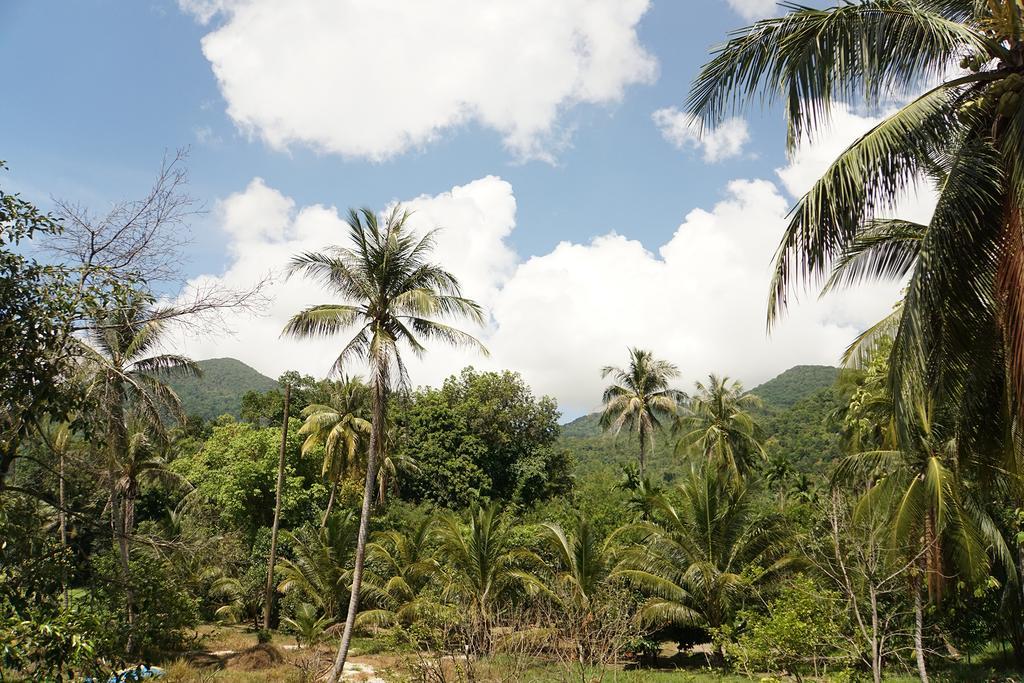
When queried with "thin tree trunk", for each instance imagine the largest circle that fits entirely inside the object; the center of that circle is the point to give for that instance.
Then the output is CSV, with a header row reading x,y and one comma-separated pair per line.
x,y
369,489
919,631
268,598
62,517
121,538
643,453
876,650
330,504
119,446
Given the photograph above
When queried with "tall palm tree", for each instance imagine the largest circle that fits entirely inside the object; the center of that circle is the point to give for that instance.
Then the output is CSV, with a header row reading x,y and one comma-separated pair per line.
x,y
483,565
340,427
123,373
718,426
696,553
961,326
406,567
392,294
640,398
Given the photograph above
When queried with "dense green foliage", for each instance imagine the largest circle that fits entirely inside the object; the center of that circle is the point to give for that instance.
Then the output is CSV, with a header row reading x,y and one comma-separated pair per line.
x,y
794,385
481,436
846,524
220,388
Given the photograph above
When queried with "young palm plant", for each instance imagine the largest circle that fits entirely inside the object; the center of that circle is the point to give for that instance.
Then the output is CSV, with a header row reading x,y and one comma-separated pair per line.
x,y
320,564
717,425
640,398
961,326
584,562
695,564
403,568
484,566
393,295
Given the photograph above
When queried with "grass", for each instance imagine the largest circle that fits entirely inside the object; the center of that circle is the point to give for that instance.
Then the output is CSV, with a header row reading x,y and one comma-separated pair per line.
x,y
400,665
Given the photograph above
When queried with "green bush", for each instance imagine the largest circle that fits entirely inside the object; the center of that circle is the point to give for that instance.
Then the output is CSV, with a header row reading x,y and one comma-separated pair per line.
x,y
163,608
796,633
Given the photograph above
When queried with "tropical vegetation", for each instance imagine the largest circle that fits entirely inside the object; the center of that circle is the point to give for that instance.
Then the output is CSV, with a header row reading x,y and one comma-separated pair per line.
x,y
829,524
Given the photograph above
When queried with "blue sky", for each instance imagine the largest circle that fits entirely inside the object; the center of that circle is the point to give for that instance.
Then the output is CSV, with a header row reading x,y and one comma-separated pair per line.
x,y
570,213
105,86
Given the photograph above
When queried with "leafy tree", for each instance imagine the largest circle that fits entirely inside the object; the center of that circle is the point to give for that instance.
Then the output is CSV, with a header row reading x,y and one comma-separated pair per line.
x,y
399,295
640,398
39,306
799,627
266,408
717,425
235,472
482,435
703,556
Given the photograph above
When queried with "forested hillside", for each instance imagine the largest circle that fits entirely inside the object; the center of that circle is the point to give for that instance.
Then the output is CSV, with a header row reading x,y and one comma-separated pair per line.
x,y
795,384
220,389
797,406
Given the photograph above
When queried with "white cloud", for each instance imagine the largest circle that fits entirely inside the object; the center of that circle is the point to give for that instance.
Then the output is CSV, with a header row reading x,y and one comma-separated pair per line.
x,y
374,79
683,130
754,9
559,317
265,230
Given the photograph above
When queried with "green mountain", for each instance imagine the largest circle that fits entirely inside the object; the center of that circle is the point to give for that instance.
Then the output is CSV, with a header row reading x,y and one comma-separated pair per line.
x,y
220,389
797,404
796,384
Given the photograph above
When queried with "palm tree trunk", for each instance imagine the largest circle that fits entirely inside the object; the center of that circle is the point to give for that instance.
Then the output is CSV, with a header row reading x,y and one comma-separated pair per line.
x,y
369,489
62,516
117,528
268,596
643,452
118,445
330,504
919,631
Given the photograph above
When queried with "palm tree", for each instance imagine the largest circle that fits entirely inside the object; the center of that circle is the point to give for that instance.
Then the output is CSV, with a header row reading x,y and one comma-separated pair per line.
x,y
319,568
640,398
144,459
695,561
777,473
484,565
395,462
121,375
644,494
339,426
920,487
961,326
393,295
718,426
308,624
407,567
584,562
